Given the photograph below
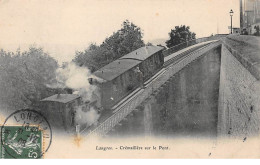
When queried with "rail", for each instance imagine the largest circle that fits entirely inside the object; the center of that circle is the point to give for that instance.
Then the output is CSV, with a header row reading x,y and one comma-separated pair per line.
x,y
143,94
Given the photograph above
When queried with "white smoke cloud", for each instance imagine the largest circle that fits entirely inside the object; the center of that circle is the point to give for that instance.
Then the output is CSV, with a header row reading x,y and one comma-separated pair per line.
x,y
77,78
90,117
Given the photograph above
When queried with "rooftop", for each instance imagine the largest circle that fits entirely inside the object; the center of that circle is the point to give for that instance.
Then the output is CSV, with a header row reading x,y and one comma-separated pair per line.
x,y
62,98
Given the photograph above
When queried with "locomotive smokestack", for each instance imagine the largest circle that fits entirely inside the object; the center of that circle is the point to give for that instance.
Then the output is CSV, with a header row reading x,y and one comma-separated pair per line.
x,y
90,80
94,81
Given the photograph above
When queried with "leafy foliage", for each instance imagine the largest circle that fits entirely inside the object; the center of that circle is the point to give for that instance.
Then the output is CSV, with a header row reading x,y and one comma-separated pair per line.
x,y
23,77
179,35
125,40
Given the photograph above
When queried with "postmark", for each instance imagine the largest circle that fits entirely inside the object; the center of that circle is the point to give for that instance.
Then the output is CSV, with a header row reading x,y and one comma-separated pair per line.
x,y
25,134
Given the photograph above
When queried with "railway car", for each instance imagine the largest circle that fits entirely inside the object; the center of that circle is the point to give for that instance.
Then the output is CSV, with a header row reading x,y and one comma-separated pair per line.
x,y
127,73
60,110
63,111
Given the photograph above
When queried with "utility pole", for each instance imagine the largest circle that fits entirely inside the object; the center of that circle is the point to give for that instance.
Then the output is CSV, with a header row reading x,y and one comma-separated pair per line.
x,y
231,14
241,15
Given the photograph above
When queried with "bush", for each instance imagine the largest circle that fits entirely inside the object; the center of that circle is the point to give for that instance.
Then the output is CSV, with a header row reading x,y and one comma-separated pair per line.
x,y
23,77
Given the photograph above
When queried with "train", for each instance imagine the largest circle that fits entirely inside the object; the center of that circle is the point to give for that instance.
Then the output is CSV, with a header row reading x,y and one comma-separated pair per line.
x,y
124,75
118,79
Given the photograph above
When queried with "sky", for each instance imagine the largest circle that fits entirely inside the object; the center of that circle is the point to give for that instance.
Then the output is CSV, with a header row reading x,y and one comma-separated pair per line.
x,y
62,27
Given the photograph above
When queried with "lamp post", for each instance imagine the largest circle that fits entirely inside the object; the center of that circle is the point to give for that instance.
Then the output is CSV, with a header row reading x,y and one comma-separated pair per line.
x,y
231,14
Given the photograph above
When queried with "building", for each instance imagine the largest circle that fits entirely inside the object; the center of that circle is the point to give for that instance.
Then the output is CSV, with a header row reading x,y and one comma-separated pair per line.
x,y
249,15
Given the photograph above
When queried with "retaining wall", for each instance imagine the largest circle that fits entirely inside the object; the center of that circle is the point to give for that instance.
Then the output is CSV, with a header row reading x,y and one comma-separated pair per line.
x,y
239,100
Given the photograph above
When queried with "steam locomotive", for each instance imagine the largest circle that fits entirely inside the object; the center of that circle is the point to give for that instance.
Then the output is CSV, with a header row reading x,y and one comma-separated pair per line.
x,y
119,79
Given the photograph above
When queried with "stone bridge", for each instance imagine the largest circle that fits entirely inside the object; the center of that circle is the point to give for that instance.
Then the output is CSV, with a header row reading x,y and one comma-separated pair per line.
x,y
210,88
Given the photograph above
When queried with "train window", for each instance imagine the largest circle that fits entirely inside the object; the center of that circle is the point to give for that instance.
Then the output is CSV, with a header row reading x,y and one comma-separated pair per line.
x,y
114,86
73,104
62,107
157,59
126,77
58,107
161,57
130,87
69,106
72,117
131,76
122,81
52,106
118,82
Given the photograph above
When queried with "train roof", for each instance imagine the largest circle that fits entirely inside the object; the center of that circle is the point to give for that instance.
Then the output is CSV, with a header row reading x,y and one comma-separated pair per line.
x,y
121,65
62,98
115,68
143,53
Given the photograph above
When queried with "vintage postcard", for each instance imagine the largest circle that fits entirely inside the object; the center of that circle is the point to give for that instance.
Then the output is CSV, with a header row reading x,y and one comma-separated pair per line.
x,y
129,79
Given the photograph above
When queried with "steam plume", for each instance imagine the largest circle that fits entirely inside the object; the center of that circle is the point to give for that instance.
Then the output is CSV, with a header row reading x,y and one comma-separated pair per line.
x,y
77,78
90,117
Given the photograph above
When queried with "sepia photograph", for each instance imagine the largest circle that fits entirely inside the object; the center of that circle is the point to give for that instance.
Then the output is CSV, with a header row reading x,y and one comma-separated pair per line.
x,y
131,79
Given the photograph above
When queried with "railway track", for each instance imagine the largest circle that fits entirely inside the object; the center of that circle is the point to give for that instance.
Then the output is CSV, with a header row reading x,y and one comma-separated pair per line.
x,y
175,57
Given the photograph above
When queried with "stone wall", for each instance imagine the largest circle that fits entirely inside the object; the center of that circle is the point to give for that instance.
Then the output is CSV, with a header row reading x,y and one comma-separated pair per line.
x,y
188,105
238,99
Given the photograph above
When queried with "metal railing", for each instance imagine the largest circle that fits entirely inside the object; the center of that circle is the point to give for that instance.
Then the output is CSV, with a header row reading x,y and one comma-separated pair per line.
x,y
143,94
183,45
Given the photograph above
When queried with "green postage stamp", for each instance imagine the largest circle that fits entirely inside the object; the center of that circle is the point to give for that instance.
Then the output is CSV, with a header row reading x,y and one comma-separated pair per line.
x,y
22,142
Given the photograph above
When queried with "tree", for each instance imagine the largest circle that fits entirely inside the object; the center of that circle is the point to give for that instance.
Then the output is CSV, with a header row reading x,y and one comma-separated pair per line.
x,y
125,40
179,35
23,77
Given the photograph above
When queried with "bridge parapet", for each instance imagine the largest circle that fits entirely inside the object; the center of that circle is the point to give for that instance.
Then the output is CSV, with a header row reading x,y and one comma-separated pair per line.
x,y
246,50
151,87
183,45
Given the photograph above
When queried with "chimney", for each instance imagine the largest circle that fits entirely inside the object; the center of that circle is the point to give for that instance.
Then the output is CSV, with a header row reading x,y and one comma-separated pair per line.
x,y
59,96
